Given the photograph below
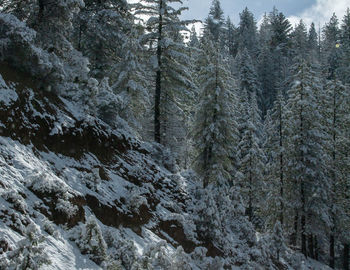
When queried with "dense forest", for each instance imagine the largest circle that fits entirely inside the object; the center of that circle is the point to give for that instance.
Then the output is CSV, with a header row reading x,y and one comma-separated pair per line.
x,y
259,117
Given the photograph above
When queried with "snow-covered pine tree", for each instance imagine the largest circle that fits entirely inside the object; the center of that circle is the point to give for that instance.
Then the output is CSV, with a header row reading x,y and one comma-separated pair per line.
x,y
215,129
91,241
30,253
344,69
230,38
214,23
279,47
264,66
330,53
131,85
343,190
313,46
100,29
309,188
247,33
251,158
247,76
334,112
179,93
299,41
206,215
276,139
278,244
168,55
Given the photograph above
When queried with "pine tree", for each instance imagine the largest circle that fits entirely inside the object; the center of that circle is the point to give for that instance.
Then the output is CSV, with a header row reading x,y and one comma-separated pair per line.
x,y
344,69
247,33
275,130
231,38
299,41
214,23
312,45
251,157
178,95
265,66
131,84
100,29
278,242
334,113
329,51
163,26
207,217
309,191
214,129
91,241
247,75
30,253
279,47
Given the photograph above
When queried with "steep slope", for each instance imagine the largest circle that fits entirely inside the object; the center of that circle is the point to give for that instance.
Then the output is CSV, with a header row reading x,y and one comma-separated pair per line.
x,y
90,197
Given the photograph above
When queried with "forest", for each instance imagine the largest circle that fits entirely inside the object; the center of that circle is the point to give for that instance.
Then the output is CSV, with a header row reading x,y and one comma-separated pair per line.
x,y
256,116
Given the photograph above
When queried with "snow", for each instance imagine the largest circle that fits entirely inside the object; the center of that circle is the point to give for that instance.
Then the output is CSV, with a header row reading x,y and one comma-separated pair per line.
x,y
7,95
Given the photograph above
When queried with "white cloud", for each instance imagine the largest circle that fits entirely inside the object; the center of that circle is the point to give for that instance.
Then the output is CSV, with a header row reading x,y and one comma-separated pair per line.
x,y
321,12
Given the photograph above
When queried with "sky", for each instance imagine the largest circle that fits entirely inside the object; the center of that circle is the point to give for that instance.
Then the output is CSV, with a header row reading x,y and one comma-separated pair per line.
x,y
317,11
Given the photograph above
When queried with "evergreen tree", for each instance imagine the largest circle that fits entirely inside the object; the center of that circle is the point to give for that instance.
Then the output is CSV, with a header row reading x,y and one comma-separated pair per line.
x,y
214,23
214,129
231,38
275,147
100,29
344,69
334,114
30,253
91,241
265,66
312,44
278,242
131,84
329,49
279,47
163,27
247,33
300,41
251,157
178,95
310,189
247,75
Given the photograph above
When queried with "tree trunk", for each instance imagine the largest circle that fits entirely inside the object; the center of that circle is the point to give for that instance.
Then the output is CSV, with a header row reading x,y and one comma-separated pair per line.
x,y
316,247
281,169
294,235
158,78
331,251
311,246
346,257
303,235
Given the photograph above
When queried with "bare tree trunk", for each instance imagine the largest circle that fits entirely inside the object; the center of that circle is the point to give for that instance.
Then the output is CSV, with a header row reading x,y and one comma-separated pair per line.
x,y
331,251
158,78
346,257
311,246
294,235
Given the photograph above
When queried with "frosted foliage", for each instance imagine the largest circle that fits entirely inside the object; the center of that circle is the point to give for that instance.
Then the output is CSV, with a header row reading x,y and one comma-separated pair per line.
x,y
155,257
277,243
29,254
181,260
208,221
91,241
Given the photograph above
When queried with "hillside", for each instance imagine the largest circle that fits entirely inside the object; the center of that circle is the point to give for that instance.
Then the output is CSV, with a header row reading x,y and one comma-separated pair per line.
x,y
60,168
130,142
